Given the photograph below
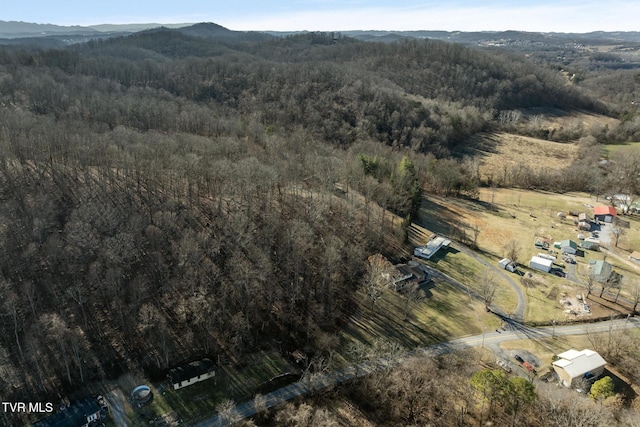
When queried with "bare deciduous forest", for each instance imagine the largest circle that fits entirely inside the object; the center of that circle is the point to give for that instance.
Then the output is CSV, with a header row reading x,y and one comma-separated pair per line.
x,y
172,195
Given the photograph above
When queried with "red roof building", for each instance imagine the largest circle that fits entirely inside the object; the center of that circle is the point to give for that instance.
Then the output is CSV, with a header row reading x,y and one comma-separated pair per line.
x,y
604,213
604,210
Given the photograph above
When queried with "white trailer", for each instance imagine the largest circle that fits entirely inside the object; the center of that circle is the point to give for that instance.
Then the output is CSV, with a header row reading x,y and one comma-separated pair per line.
x,y
508,265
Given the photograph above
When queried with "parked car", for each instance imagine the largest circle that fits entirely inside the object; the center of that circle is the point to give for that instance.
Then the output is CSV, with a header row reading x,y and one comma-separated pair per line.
x,y
518,358
528,367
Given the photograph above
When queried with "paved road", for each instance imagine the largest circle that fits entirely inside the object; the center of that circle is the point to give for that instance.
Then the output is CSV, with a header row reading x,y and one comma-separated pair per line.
x,y
519,332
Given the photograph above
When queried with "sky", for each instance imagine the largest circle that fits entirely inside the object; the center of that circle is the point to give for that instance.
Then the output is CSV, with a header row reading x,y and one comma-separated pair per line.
x,y
340,15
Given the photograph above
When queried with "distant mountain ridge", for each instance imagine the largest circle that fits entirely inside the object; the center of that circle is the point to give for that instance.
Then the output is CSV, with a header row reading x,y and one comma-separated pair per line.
x,y
18,29
59,35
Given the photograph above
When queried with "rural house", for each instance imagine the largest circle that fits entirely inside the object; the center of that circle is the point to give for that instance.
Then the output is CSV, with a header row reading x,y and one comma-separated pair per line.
x,y
432,246
573,365
568,246
604,213
601,270
407,275
192,373
84,413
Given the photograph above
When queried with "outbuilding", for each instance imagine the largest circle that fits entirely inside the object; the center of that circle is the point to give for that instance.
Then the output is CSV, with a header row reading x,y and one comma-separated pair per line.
x,y
573,365
541,264
590,243
584,226
635,256
604,213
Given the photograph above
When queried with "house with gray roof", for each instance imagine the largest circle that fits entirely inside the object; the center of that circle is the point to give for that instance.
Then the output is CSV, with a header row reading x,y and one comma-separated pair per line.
x,y
573,365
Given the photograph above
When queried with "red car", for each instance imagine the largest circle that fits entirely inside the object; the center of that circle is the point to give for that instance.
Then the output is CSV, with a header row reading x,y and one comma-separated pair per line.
x,y
528,366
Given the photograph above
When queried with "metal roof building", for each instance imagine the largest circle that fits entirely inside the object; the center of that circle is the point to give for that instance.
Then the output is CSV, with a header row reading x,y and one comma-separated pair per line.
x,y
572,365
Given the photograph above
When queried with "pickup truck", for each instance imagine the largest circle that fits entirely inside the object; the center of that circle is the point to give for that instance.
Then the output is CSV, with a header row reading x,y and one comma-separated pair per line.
x,y
504,365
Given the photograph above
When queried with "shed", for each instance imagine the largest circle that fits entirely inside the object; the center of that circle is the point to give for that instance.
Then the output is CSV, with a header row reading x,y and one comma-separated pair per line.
x,y
583,217
573,365
541,264
590,243
584,225
604,213
192,373
83,413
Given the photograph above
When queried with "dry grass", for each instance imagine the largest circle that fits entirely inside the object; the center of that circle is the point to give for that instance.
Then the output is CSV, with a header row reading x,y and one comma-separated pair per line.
x,y
503,215
578,118
501,153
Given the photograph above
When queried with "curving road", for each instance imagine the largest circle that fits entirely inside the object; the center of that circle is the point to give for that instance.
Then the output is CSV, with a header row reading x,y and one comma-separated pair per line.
x,y
514,329
521,306
321,381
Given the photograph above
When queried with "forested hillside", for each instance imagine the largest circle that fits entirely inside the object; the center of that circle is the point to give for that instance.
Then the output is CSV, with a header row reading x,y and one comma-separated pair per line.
x,y
175,194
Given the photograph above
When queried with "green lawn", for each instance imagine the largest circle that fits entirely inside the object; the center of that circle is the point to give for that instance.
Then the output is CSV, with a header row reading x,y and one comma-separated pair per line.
x,y
612,149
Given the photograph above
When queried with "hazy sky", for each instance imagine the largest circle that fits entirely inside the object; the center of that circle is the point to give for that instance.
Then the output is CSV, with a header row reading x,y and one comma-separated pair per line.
x,y
340,15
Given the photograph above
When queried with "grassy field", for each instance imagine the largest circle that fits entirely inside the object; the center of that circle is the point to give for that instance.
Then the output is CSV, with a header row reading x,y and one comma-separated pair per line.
x,y
613,149
501,153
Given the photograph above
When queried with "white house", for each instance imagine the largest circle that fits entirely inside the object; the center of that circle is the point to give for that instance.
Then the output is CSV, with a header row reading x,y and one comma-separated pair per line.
x,y
192,373
432,246
573,365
